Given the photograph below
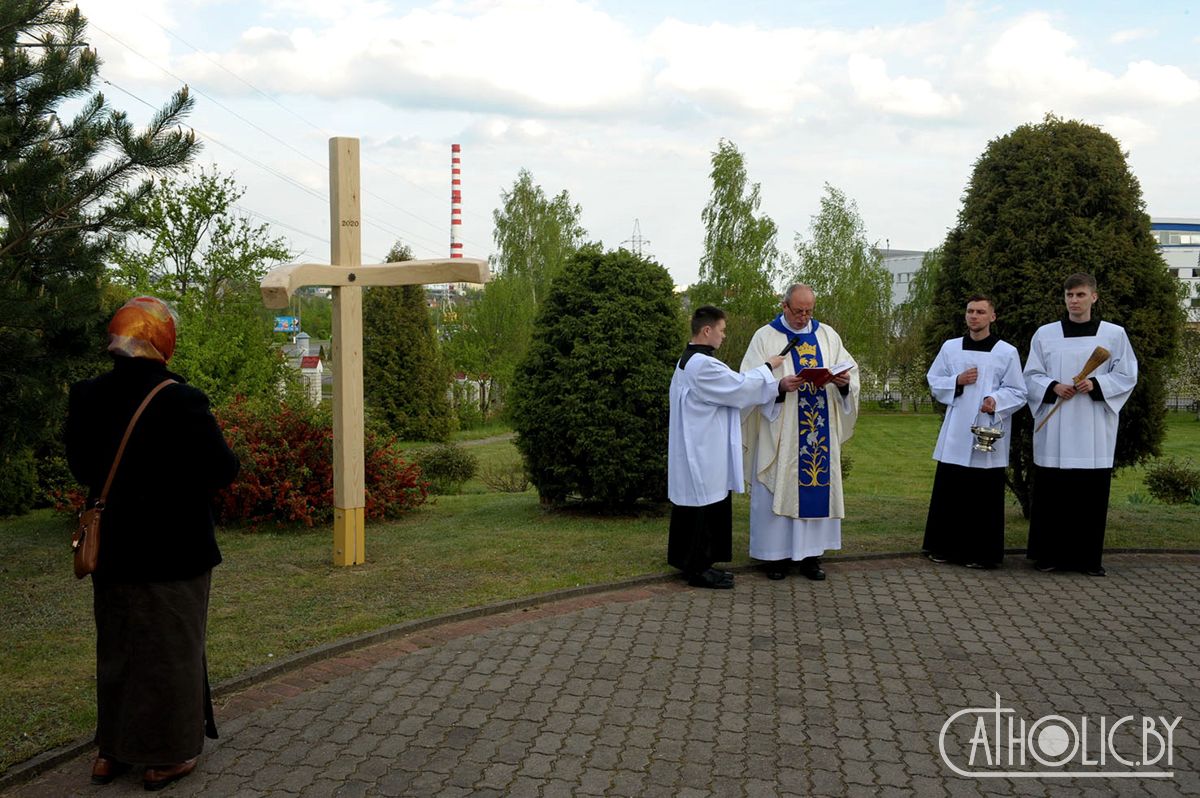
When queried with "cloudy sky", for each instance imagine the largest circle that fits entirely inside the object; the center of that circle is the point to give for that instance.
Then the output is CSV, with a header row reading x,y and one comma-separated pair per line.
x,y
621,103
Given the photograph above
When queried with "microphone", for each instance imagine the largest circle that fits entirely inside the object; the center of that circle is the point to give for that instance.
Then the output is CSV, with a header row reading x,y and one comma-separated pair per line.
x,y
790,345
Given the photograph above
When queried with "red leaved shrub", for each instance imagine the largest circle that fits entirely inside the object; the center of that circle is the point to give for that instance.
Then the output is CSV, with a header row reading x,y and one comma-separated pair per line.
x,y
287,468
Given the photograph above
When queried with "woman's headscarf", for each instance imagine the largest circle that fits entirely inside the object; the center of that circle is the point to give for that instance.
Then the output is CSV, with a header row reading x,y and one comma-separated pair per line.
x,y
143,327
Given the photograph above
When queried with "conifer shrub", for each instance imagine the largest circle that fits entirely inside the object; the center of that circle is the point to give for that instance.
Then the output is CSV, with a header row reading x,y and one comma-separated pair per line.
x,y
18,481
405,379
590,400
446,467
1172,481
286,454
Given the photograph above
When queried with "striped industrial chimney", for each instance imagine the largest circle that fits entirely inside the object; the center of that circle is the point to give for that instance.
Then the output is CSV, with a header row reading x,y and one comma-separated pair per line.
x,y
455,199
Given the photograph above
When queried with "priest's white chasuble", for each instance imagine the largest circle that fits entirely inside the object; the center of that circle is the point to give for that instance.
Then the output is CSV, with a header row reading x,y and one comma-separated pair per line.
x,y
793,448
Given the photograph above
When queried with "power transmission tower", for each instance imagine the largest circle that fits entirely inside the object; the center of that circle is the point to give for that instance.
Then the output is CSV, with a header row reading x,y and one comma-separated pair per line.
x,y
636,241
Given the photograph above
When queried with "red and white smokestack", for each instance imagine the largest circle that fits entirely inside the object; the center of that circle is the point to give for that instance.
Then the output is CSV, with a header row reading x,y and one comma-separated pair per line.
x,y
455,200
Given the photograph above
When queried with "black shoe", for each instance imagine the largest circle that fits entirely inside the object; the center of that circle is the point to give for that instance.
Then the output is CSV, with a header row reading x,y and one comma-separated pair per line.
x,y
1097,571
1045,567
937,558
810,568
776,569
712,578
982,566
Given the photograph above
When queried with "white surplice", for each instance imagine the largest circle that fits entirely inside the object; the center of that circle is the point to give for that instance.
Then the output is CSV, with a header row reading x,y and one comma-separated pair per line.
x,y
999,377
1083,433
704,453
770,435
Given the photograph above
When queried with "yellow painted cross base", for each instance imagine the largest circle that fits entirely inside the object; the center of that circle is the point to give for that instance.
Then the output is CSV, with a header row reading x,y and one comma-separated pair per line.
x,y
349,538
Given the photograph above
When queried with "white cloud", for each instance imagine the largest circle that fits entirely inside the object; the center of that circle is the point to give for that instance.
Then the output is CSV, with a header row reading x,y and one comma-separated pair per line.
x,y
1033,61
914,97
737,67
1130,132
511,54
132,46
1158,84
1131,35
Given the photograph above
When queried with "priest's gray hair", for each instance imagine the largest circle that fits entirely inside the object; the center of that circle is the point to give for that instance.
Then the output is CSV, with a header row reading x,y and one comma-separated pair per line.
x,y
794,287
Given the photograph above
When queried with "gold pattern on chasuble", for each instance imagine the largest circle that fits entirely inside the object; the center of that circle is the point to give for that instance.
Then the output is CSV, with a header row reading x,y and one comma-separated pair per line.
x,y
807,354
814,438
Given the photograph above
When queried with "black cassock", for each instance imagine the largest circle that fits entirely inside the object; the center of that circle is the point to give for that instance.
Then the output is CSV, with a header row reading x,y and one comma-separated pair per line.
x,y
966,515
1068,518
701,536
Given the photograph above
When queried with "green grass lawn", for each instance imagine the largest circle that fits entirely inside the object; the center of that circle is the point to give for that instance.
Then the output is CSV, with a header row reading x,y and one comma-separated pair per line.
x,y
277,593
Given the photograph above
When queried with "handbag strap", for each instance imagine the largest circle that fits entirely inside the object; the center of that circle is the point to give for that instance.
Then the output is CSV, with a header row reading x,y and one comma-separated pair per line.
x,y
128,431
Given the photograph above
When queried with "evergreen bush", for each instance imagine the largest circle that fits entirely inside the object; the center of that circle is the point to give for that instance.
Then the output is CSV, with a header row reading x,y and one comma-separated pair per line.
x,y
446,467
18,482
590,402
1172,481
405,380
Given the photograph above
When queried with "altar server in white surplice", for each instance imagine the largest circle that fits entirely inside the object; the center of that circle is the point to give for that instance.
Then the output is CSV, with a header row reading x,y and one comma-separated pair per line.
x,y
1073,452
704,458
794,444
978,378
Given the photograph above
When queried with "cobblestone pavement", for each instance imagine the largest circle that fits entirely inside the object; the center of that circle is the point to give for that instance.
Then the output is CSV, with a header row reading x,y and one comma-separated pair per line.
x,y
773,688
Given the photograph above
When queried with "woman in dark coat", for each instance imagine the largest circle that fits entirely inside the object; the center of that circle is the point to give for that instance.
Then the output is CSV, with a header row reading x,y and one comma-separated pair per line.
x,y
157,548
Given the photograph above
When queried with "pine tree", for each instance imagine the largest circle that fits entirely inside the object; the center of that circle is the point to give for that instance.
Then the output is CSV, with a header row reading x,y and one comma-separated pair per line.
x,y
405,380
63,204
1045,201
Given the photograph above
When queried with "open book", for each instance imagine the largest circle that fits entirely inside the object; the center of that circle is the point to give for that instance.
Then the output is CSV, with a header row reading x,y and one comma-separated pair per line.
x,y
819,377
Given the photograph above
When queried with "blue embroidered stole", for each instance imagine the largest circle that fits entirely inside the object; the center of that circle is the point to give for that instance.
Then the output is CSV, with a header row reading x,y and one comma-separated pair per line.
x,y
813,409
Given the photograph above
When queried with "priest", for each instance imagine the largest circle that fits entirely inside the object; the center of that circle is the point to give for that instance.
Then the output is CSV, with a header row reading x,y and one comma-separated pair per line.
x,y
704,454
1073,450
793,445
978,378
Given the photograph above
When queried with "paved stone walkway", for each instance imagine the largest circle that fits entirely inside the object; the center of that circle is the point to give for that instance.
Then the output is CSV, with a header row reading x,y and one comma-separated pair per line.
x,y
774,688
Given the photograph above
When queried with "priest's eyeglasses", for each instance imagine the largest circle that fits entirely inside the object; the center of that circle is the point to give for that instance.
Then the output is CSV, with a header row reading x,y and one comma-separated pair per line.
x,y
798,311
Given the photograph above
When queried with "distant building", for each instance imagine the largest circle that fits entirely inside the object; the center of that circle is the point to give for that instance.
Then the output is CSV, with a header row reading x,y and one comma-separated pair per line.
x,y
1179,242
903,264
310,364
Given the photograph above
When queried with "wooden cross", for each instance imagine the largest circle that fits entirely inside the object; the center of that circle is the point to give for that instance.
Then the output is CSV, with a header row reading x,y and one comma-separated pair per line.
x,y
348,275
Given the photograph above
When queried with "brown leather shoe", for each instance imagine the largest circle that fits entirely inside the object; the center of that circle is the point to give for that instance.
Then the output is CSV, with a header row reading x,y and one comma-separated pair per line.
x,y
157,778
105,769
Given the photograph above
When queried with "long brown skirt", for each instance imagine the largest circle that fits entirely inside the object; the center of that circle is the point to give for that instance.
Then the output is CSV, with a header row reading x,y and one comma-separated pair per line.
x,y
152,696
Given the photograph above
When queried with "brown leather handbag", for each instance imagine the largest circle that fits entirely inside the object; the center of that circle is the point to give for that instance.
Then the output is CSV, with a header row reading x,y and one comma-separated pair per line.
x,y
86,540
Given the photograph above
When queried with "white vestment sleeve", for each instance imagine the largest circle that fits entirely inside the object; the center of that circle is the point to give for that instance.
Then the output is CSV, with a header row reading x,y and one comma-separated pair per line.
x,y
1118,383
716,384
1037,378
1011,395
941,377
